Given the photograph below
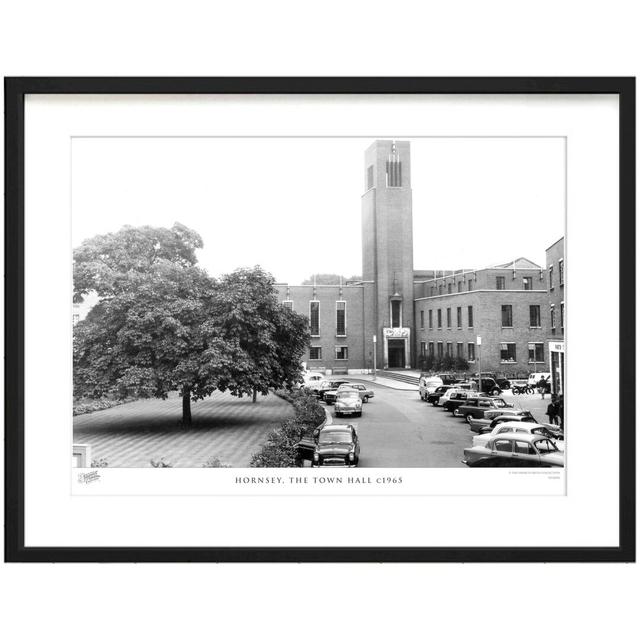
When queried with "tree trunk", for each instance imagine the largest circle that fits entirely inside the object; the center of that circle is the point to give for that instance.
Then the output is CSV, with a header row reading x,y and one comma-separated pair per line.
x,y
186,406
255,394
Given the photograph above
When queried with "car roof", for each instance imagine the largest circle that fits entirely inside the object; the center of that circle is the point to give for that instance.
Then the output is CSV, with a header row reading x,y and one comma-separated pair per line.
x,y
338,427
527,437
519,423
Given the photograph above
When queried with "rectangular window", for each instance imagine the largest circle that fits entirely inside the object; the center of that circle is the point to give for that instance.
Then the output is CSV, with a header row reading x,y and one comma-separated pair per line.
x,y
562,315
561,272
430,347
471,351
500,281
534,315
288,304
536,352
315,353
459,286
553,317
551,278
449,349
470,316
422,318
430,318
460,350
439,318
527,283
507,351
394,173
440,350
341,318
507,315
396,315
470,285
370,177
459,317
314,317
423,349
342,353
433,291
449,317
449,287
439,289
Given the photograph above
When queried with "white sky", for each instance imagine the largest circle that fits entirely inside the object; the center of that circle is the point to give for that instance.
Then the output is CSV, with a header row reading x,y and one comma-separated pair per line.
x,y
292,205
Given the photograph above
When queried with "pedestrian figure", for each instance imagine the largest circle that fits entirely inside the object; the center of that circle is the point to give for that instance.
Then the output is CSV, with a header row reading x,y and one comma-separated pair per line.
x,y
552,410
560,414
542,386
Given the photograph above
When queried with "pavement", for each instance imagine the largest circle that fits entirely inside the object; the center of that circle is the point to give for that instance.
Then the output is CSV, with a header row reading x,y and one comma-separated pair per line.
x,y
226,427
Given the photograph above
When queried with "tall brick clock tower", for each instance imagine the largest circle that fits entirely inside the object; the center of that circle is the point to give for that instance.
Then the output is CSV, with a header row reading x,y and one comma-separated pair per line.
x,y
387,252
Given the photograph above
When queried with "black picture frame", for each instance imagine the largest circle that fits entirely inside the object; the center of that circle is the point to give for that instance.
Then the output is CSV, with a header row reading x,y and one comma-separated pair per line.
x,y
15,91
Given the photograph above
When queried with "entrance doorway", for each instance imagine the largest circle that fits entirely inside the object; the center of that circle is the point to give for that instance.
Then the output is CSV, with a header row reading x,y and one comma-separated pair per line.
x,y
396,354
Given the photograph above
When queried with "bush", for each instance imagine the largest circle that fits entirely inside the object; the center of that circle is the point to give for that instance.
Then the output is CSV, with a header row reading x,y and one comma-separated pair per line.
x,y
89,405
280,448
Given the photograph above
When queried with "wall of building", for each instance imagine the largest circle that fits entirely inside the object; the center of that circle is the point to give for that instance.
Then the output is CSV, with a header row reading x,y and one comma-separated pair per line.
x,y
487,322
327,296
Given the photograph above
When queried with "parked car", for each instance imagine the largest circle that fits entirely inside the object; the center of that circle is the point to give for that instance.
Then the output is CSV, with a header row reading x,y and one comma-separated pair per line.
x,y
519,426
454,398
312,379
327,385
554,429
365,394
329,395
337,445
348,401
486,424
427,384
434,396
502,382
309,444
476,407
489,386
515,450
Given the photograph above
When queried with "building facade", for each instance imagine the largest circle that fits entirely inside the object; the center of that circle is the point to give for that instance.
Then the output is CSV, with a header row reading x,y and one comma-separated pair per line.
x,y
555,286
395,317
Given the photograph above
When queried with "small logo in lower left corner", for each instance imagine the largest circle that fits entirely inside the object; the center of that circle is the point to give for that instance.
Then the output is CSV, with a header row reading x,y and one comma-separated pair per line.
x,y
88,477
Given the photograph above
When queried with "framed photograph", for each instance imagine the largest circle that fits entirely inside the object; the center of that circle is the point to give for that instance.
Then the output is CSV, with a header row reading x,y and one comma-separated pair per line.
x,y
320,319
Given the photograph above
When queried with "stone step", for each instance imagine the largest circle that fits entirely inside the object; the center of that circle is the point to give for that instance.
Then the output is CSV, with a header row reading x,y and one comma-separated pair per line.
x,y
409,378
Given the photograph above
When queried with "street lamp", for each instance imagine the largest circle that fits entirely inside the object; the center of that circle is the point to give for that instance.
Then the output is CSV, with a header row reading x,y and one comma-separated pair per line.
x,y
375,339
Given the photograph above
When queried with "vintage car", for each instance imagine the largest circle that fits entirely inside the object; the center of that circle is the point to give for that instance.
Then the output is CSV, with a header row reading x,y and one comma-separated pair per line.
x,y
336,445
486,425
327,385
365,394
310,449
515,450
348,401
455,398
329,395
477,407
434,394
489,385
519,426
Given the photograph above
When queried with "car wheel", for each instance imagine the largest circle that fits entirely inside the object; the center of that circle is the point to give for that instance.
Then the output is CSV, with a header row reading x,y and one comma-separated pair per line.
x,y
495,392
468,418
365,399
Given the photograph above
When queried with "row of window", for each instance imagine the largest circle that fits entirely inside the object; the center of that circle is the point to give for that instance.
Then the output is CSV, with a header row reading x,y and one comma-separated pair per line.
x,y
527,285
507,351
341,353
560,275
553,316
314,317
506,315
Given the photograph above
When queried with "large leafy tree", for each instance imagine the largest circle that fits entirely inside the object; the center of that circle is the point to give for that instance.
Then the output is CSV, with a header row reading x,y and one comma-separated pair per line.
x,y
247,314
163,324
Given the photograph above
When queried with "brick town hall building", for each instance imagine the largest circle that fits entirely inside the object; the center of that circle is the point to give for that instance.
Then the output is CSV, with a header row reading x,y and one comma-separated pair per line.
x,y
405,314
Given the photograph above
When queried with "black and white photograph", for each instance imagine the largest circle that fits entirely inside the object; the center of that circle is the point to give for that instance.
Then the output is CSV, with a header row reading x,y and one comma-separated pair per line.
x,y
274,300
382,302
